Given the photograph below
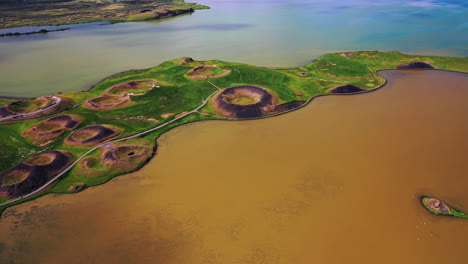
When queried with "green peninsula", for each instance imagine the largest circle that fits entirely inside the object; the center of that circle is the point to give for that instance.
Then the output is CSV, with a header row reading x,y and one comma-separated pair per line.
x,y
67,142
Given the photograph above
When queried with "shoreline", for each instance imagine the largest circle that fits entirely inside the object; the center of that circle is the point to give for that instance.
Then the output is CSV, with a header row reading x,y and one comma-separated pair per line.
x,y
129,13
42,31
204,116
38,195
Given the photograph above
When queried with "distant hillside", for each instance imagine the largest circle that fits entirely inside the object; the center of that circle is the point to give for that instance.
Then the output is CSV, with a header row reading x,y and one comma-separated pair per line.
x,y
15,13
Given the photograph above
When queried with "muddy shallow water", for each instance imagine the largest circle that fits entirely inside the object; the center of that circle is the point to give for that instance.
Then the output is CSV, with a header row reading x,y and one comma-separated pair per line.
x,y
337,181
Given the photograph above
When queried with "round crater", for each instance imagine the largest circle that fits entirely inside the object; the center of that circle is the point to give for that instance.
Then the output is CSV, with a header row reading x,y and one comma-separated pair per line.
x,y
245,101
89,162
63,121
41,159
84,134
127,152
108,101
92,135
207,71
49,130
138,86
31,105
243,96
437,205
15,176
34,173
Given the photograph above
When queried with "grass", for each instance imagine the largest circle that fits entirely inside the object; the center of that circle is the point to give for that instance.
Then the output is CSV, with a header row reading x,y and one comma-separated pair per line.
x,y
181,94
60,12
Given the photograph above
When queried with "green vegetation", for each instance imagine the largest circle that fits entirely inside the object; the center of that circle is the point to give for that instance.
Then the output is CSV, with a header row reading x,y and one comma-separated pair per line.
x,y
452,212
175,94
62,12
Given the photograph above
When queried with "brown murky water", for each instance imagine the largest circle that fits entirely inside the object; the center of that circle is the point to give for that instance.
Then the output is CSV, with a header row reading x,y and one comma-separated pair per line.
x,y
335,182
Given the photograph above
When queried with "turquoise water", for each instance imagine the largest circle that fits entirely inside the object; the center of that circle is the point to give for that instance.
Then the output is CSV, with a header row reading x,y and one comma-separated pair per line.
x,y
268,33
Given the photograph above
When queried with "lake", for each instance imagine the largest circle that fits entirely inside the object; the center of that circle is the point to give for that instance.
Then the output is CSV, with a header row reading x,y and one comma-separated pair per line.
x,y
265,33
337,181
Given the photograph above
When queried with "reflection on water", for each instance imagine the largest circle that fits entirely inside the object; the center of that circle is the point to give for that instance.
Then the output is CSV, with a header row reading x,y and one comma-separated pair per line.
x,y
334,182
270,33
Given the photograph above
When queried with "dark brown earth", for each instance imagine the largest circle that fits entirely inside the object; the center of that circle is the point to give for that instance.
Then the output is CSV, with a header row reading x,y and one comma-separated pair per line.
x,y
415,65
288,106
266,102
92,135
346,89
33,173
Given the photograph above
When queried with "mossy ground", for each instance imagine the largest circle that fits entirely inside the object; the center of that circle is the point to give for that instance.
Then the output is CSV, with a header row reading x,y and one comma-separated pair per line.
x,y
180,94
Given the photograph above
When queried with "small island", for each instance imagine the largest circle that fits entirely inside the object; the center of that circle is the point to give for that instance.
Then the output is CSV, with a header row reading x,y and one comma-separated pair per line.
x,y
67,142
58,12
438,207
